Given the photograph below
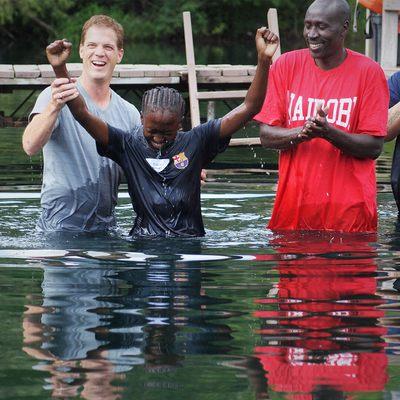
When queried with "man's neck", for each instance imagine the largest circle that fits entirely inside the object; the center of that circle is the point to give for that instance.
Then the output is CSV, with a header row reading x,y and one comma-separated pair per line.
x,y
99,91
333,61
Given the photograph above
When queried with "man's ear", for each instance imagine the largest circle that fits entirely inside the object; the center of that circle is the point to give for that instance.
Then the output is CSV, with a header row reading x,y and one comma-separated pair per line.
x,y
141,117
120,55
346,25
80,50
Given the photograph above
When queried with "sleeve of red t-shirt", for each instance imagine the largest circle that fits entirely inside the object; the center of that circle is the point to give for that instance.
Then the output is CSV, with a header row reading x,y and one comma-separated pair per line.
x,y
273,111
374,103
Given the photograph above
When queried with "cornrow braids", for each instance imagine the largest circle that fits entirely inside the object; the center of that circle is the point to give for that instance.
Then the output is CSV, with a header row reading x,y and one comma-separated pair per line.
x,y
163,98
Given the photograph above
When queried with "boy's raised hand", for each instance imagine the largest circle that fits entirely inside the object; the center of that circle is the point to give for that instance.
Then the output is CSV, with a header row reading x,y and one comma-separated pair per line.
x,y
266,42
58,52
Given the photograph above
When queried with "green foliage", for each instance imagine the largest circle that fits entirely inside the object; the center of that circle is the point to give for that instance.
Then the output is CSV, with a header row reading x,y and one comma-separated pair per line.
x,y
216,22
17,17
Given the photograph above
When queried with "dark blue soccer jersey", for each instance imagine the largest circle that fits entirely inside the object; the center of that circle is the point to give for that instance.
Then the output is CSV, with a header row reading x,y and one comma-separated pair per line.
x,y
165,187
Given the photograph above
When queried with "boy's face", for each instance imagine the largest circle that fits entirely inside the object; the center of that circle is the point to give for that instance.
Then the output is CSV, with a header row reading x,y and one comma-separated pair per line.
x,y
99,53
160,127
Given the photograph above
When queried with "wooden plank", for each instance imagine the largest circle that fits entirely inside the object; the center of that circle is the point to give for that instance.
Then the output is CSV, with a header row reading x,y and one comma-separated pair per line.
x,y
224,79
238,70
115,81
170,80
391,5
26,71
46,71
223,94
174,69
26,81
155,71
390,20
251,70
75,69
273,25
6,71
129,71
191,66
245,142
208,71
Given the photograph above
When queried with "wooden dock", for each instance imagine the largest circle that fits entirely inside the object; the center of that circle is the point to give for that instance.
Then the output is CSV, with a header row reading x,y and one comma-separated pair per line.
x,y
36,76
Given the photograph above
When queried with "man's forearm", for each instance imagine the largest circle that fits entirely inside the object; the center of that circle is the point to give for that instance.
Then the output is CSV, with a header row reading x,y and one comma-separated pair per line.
x,y
278,138
393,129
38,131
357,145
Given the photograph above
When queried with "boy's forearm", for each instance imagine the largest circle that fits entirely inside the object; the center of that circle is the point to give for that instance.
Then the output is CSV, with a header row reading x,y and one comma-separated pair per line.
x,y
97,128
256,93
77,106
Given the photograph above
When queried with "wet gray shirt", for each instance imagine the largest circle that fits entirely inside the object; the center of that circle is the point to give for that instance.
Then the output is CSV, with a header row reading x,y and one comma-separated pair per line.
x,y
80,188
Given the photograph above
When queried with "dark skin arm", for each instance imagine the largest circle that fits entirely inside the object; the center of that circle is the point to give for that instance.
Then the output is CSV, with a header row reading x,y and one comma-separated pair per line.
x,y
266,44
393,129
278,138
58,53
356,145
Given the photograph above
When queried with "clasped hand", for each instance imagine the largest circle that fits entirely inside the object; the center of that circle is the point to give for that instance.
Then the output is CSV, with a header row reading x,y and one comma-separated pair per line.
x,y
317,126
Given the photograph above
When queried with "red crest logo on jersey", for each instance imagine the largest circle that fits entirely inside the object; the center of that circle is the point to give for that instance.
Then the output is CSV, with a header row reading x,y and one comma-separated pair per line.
x,y
180,161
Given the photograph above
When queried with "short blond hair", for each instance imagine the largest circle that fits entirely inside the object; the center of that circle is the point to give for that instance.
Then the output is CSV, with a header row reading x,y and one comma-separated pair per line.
x,y
108,22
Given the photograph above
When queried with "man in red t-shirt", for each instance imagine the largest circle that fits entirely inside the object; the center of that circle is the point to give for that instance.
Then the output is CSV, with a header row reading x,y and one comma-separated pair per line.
x,y
326,111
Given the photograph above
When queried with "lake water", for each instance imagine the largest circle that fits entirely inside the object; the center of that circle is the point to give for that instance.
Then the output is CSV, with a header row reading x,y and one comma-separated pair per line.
x,y
239,314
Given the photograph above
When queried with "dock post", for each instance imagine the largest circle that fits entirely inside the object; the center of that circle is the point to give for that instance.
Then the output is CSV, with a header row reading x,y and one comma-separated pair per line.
x,y
191,66
210,110
273,25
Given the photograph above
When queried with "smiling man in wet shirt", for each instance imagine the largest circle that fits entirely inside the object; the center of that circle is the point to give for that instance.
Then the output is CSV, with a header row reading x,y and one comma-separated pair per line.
x,y
80,188
326,111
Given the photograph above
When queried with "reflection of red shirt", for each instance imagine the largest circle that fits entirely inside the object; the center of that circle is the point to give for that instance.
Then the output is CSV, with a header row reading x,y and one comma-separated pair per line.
x,y
324,317
321,188
289,371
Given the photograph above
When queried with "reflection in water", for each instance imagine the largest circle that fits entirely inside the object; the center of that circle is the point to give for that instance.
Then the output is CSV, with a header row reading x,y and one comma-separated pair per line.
x,y
320,331
322,328
96,324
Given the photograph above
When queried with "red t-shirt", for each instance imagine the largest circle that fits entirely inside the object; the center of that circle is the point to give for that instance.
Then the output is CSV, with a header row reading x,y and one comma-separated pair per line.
x,y
320,188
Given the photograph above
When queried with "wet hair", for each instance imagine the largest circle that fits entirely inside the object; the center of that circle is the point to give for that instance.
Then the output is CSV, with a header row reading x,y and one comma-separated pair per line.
x,y
165,99
341,8
105,21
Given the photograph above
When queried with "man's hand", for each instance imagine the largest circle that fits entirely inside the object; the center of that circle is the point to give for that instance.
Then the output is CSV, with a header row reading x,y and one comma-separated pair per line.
x,y
266,43
203,177
313,127
62,91
317,126
58,52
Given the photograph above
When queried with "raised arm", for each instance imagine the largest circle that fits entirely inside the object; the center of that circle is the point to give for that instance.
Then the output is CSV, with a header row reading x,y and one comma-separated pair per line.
x,y
266,44
57,53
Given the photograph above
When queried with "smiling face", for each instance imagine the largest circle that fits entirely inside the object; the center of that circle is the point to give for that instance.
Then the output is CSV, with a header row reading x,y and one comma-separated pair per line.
x,y
325,29
100,53
160,127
